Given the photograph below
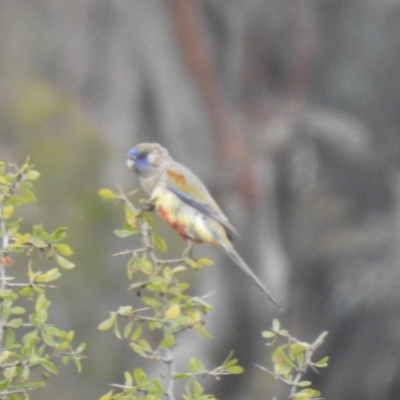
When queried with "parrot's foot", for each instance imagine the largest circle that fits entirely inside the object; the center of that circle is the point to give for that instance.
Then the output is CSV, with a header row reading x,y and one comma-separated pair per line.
x,y
147,207
188,252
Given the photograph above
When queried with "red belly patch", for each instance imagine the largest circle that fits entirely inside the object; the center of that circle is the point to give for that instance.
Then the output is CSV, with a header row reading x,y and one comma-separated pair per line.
x,y
180,228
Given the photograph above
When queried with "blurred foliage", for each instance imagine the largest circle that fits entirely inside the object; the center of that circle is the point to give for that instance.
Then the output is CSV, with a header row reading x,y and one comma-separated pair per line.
x,y
29,344
51,126
292,360
164,311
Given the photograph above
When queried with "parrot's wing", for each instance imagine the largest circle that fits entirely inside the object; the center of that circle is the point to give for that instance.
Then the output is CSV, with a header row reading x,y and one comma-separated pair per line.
x,y
192,191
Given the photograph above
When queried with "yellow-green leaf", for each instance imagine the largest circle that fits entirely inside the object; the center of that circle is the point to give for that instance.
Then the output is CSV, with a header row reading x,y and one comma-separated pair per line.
x,y
107,324
173,312
107,396
5,355
137,333
159,242
130,217
7,212
268,334
196,366
32,175
128,379
144,265
64,263
64,249
108,194
49,276
236,369
203,262
168,342
276,324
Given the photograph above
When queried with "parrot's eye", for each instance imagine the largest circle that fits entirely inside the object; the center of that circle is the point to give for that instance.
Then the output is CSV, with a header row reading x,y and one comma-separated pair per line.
x,y
141,156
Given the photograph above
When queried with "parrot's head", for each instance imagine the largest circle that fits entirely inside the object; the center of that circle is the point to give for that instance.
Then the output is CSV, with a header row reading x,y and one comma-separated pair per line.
x,y
146,158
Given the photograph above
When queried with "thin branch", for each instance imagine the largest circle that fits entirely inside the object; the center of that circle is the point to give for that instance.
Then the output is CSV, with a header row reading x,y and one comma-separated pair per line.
x,y
3,278
38,285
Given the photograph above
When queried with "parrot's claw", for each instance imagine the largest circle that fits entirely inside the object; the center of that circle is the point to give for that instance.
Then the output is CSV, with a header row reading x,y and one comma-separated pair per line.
x,y
147,207
188,252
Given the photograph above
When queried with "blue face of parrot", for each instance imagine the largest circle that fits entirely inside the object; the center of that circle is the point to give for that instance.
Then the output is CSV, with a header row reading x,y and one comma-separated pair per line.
x,y
138,160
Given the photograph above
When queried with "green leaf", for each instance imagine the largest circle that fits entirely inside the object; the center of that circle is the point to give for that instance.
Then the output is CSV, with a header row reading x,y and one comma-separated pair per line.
x,y
276,324
107,396
10,338
41,302
10,372
80,348
137,333
179,269
116,330
39,318
8,294
108,194
123,233
145,345
191,263
130,216
235,370
64,263
32,175
182,375
322,363
26,291
78,364
34,385
196,366
320,339
49,276
107,324
139,376
59,234
173,312
4,385
128,379
203,262
197,389
204,332
303,383
48,337
17,310
268,334
307,394
27,196
156,389
137,348
4,357
127,329
48,366
25,373
15,323
167,343
159,242
151,302
144,265
64,249
7,212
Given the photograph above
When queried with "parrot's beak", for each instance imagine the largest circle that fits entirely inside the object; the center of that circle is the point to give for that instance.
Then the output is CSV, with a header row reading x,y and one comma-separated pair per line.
x,y
130,163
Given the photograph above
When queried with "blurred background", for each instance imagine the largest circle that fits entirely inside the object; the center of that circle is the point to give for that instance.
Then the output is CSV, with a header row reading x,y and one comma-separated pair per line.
x,y
287,109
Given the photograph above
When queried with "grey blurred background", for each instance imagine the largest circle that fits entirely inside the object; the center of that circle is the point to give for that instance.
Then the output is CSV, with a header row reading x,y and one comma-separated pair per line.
x,y
287,109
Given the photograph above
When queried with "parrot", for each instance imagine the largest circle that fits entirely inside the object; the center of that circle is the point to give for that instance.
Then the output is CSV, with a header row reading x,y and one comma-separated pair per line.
x,y
184,203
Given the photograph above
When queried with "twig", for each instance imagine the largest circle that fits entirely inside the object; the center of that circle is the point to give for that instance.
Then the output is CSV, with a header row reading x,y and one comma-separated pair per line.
x,y
3,278
170,375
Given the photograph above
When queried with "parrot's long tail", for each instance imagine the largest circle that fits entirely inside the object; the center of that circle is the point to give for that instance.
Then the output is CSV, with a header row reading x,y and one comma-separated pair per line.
x,y
235,257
